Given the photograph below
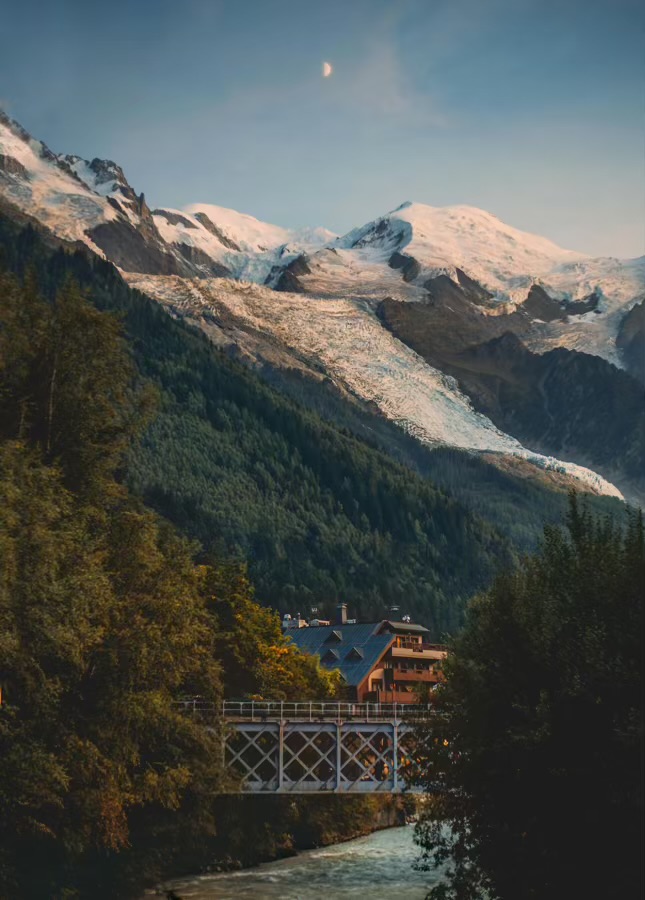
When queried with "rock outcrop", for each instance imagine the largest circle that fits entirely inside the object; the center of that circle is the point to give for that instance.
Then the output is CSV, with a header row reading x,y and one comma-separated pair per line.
x,y
11,166
562,403
288,279
631,341
217,232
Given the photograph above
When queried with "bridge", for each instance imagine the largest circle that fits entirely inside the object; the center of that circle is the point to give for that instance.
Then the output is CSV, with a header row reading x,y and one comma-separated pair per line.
x,y
304,748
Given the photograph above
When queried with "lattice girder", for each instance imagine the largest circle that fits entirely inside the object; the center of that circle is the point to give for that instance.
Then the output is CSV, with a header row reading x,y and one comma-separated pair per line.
x,y
312,757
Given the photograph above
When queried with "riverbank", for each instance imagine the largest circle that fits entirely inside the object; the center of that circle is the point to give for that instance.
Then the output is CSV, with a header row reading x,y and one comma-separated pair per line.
x,y
314,826
379,865
255,830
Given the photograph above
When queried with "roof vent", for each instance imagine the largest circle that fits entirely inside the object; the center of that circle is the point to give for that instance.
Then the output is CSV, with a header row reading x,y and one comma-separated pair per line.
x,y
331,655
355,653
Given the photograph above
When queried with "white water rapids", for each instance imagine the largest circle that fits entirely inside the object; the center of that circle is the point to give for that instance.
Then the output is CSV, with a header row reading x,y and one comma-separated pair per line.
x,y
378,867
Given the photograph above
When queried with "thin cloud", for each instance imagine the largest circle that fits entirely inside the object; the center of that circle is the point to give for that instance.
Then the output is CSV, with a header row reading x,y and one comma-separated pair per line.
x,y
380,86
373,95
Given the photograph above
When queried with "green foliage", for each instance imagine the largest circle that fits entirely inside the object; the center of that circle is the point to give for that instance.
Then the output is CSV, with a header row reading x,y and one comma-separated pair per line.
x,y
105,621
541,713
259,660
66,382
102,620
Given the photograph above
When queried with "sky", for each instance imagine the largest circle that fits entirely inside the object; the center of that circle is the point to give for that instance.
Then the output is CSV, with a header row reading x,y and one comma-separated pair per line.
x,y
531,109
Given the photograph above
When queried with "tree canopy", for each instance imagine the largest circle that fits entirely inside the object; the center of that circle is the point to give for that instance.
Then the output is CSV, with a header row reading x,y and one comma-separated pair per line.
x,y
259,660
106,620
538,739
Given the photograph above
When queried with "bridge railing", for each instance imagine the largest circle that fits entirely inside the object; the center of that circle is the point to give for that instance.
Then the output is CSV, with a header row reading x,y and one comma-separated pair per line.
x,y
263,710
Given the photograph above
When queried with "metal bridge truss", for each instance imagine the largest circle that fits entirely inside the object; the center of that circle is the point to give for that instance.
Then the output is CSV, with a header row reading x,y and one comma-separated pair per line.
x,y
304,756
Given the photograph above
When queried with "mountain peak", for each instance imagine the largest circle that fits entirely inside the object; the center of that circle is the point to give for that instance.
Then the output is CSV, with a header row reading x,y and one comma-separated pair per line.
x,y
449,237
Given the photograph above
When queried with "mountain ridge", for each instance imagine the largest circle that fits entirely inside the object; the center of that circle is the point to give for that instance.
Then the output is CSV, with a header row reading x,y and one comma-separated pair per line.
x,y
440,259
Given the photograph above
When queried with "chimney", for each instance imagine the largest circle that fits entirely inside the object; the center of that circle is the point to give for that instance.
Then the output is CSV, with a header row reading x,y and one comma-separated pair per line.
x,y
341,614
393,613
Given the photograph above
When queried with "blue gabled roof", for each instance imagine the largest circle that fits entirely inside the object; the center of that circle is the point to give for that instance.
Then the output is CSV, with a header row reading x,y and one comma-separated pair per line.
x,y
318,640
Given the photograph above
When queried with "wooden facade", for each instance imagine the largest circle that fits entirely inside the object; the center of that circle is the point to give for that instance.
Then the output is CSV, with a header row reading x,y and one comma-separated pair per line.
x,y
408,666
381,662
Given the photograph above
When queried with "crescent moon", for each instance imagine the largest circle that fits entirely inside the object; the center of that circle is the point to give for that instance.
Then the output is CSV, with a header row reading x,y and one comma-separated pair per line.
x,y
327,69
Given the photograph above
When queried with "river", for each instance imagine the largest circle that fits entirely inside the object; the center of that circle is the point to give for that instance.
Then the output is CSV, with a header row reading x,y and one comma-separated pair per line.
x,y
378,867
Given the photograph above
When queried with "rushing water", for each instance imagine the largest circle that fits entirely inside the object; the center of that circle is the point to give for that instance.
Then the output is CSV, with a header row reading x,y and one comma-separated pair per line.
x,y
378,867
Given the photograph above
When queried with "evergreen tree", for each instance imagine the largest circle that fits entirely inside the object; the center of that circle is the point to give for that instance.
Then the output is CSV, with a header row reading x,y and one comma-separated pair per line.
x,y
105,622
102,622
538,737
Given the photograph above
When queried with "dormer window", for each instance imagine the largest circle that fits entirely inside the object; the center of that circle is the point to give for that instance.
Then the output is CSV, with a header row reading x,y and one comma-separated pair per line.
x,y
355,653
331,656
335,636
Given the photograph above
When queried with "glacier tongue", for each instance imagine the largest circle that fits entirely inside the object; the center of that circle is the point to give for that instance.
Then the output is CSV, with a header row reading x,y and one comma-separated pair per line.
x,y
347,338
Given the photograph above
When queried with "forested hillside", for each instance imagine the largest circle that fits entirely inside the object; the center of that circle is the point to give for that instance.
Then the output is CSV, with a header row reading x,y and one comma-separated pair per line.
x,y
317,513
306,495
517,497
106,620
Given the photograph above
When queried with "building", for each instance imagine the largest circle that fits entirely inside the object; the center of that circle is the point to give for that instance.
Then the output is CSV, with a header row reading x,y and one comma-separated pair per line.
x,y
381,662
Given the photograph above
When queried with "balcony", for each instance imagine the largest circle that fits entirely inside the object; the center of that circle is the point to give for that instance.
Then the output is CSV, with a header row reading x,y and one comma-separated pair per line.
x,y
406,641
424,676
419,651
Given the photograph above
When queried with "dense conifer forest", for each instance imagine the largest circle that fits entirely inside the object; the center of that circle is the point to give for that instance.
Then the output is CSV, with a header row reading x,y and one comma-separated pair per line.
x,y
323,501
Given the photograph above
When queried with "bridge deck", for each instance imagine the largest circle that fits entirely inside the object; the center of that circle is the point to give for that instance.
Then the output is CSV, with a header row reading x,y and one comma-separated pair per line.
x,y
279,711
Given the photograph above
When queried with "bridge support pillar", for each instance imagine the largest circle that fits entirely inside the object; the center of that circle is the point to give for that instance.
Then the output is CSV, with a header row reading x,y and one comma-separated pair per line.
x,y
395,758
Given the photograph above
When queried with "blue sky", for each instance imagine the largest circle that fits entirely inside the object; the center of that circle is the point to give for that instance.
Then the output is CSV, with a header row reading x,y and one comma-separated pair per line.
x,y
531,109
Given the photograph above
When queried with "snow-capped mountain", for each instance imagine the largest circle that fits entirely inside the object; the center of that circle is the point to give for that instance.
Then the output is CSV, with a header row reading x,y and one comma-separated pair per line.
x,y
409,312
456,241
93,202
448,238
409,253
45,187
248,248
